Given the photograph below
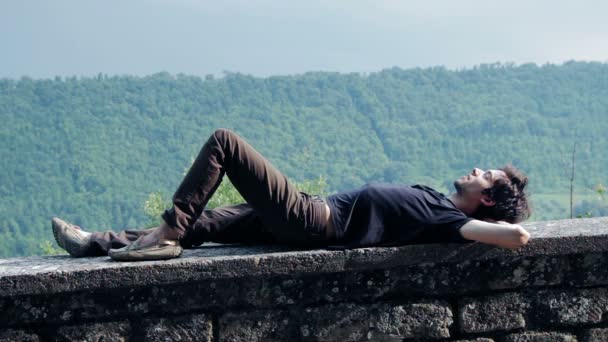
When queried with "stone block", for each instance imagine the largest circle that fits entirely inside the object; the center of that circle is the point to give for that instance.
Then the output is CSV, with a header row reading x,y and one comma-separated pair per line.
x,y
590,269
571,307
423,279
501,312
515,272
93,332
595,335
12,335
283,291
257,326
182,328
529,272
473,276
479,339
67,308
539,337
377,322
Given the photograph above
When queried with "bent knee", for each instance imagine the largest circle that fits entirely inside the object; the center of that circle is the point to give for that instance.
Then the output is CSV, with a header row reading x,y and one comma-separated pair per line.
x,y
222,134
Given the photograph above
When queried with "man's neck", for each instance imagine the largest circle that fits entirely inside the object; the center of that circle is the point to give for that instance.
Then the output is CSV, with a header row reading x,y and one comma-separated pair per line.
x,y
462,204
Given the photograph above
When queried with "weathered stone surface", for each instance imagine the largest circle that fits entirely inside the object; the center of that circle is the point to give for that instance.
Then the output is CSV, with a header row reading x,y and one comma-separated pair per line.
x,y
540,337
274,293
480,339
183,328
11,335
540,271
474,276
500,312
66,308
282,291
94,332
589,269
258,326
46,275
377,322
595,335
572,307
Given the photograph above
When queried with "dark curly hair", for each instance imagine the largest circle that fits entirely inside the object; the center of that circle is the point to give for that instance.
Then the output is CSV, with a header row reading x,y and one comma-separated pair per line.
x,y
510,196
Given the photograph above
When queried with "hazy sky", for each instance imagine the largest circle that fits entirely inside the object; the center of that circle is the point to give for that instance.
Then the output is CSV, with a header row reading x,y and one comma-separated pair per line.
x,y
268,37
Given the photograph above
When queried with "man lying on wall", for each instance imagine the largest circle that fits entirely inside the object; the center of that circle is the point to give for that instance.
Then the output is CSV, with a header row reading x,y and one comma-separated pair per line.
x,y
487,207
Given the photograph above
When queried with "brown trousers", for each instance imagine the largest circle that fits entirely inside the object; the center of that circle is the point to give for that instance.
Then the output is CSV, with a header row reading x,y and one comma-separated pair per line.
x,y
275,212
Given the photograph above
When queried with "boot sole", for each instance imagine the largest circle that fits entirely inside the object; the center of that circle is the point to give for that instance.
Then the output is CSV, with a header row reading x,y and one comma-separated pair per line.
x,y
148,253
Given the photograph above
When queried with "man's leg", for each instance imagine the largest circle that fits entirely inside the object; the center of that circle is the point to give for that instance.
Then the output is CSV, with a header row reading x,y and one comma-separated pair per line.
x,y
102,242
231,224
292,216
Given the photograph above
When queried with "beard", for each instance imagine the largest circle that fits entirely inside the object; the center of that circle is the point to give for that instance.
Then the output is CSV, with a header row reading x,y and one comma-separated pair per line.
x,y
458,187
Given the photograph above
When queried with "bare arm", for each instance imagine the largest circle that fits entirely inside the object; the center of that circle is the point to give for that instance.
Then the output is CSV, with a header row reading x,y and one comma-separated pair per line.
x,y
501,234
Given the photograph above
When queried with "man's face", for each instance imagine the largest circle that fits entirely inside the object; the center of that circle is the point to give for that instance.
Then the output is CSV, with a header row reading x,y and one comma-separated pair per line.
x,y
470,186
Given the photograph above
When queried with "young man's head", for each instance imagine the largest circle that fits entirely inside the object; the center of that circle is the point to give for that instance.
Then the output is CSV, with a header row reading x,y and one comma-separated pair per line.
x,y
495,194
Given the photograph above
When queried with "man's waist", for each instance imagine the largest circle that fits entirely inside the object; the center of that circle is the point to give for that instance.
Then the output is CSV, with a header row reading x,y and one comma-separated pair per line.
x,y
330,231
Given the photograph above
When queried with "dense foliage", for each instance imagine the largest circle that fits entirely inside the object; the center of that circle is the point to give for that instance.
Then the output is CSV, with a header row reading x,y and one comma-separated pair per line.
x,y
91,150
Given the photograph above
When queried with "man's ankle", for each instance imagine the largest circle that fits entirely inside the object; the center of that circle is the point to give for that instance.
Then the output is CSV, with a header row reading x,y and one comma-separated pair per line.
x,y
167,232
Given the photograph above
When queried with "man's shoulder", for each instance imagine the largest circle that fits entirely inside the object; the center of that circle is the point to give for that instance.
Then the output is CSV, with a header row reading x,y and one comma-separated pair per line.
x,y
388,188
380,186
429,190
432,195
424,188
403,192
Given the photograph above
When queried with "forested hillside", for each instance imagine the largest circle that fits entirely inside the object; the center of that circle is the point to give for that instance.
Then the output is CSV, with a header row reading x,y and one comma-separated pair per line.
x,y
90,150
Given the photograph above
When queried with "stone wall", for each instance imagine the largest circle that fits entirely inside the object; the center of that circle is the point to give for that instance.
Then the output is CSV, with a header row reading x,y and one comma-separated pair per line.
x,y
553,289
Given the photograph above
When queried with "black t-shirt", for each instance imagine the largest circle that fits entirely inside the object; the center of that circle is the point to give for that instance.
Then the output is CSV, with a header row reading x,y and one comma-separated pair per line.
x,y
385,215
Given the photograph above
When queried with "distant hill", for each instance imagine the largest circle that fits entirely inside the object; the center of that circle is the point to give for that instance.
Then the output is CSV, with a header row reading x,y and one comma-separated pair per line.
x,y
91,149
